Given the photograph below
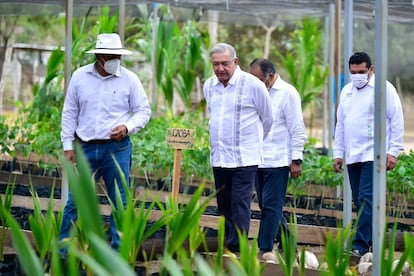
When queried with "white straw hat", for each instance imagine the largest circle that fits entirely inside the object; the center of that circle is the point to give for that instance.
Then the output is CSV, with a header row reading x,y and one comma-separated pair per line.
x,y
109,44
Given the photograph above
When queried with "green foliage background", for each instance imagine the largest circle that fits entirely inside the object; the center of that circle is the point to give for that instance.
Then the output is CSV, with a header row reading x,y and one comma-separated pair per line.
x,y
182,57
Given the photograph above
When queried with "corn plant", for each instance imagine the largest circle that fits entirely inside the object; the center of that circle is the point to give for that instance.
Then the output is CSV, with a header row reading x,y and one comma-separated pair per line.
x,y
301,261
5,207
336,251
304,63
387,254
30,262
181,56
287,258
104,261
220,244
185,224
247,263
45,227
133,221
409,248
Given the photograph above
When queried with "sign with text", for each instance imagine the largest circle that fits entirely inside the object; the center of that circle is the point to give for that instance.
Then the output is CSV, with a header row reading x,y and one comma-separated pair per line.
x,y
180,138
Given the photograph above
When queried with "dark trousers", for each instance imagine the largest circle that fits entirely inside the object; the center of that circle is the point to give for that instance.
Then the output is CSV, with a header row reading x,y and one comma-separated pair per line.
x,y
271,186
361,180
234,188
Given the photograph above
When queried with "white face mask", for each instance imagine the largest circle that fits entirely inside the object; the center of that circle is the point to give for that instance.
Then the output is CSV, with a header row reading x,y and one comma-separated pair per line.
x,y
111,66
359,80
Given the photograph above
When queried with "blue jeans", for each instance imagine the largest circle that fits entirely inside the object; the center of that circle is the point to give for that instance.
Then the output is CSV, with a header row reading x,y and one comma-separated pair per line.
x,y
361,180
271,186
234,188
100,157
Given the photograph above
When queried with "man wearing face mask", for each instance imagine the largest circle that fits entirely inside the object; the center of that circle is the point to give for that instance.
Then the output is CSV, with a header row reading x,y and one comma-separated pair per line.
x,y
105,103
354,140
282,154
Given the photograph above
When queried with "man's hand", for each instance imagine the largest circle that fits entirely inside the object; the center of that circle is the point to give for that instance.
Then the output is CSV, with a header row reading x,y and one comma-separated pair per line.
x,y
295,170
70,156
338,165
119,132
391,162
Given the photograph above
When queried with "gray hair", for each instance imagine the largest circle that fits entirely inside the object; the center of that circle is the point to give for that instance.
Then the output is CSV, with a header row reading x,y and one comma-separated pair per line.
x,y
223,47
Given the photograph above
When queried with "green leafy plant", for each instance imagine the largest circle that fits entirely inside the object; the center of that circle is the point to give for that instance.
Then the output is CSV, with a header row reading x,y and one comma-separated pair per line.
x,y
100,259
185,224
152,158
7,135
409,248
400,184
27,256
336,251
304,64
133,221
181,56
287,258
5,207
247,263
316,169
45,227
387,254
37,128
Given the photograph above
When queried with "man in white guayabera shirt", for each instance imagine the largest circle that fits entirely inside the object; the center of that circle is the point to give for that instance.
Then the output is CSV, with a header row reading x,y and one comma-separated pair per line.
x,y
283,154
354,140
240,118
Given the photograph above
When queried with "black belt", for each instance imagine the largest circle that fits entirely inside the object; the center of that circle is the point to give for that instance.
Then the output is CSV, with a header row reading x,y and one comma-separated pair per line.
x,y
94,142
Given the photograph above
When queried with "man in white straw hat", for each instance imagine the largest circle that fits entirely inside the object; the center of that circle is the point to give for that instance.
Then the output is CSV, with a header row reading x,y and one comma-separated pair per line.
x,y
105,103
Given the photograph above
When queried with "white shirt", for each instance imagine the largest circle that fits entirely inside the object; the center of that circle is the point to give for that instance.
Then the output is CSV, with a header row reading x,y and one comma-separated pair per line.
x,y
94,104
240,116
287,137
354,132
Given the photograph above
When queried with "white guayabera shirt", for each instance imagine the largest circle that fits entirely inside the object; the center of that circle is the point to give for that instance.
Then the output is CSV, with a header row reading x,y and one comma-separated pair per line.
x,y
287,137
240,117
354,132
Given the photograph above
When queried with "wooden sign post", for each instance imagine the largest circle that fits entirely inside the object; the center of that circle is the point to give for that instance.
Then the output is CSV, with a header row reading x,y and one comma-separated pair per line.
x,y
179,138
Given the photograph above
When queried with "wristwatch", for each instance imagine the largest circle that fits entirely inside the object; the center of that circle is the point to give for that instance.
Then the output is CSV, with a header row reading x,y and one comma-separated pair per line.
x,y
297,161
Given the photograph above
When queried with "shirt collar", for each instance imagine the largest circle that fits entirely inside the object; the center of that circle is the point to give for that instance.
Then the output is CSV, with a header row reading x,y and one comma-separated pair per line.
x,y
277,84
371,81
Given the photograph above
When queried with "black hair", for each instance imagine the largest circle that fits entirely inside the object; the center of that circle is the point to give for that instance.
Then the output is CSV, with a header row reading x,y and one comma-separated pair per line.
x,y
266,65
359,58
